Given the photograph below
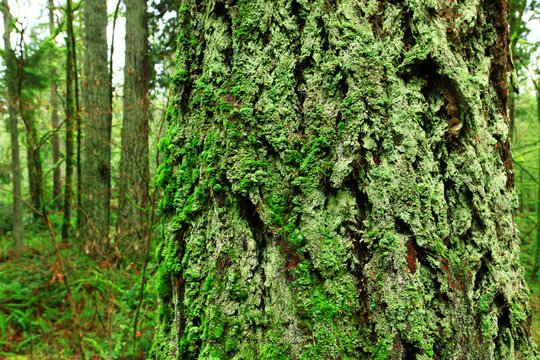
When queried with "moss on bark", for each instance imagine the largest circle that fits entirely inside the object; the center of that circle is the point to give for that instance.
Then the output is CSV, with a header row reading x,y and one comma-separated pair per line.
x,y
338,184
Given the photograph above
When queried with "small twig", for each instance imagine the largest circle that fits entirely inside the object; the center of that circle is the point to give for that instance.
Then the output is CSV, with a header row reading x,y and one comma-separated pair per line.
x,y
24,201
527,172
523,237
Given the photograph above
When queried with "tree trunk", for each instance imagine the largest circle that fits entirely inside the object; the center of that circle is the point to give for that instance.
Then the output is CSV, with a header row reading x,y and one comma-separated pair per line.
x,y
339,184
134,174
537,255
33,157
57,186
96,157
70,116
11,82
33,148
78,124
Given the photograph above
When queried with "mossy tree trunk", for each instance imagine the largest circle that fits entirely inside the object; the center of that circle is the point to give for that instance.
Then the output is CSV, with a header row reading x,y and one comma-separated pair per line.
x,y
338,184
96,158
134,173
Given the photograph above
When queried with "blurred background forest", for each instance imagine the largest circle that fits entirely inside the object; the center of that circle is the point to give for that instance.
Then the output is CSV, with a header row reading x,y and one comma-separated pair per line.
x,y
74,278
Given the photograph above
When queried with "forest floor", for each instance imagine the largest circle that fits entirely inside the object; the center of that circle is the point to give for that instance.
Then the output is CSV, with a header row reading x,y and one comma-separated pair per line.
x,y
35,316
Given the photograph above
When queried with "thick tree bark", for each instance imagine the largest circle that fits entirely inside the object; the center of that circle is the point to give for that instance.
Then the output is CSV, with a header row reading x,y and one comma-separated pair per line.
x,y
339,184
70,117
96,157
11,82
134,174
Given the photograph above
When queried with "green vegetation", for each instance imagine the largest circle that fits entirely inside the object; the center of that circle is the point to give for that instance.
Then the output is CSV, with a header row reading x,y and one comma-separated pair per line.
x,y
526,153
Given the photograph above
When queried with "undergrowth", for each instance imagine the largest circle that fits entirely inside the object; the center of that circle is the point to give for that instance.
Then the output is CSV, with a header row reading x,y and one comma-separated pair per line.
x,y
35,316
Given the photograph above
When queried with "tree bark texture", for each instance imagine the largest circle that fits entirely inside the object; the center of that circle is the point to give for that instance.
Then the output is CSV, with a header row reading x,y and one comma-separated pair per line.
x,y
11,82
134,174
339,185
96,158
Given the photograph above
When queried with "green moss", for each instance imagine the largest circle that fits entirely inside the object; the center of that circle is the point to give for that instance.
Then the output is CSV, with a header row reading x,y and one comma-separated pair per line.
x,y
215,325
231,344
383,348
163,175
165,315
164,145
215,355
208,283
274,348
163,283
180,76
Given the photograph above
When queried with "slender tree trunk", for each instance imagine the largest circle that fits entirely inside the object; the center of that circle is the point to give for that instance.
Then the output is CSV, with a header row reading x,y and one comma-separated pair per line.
x,y
511,113
11,82
134,173
96,164
57,186
33,153
33,148
78,121
70,117
522,192
339,184
32,171
537,257
538,184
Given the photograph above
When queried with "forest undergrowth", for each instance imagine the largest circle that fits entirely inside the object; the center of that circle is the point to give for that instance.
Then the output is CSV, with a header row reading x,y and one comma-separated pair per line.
x,y
35,315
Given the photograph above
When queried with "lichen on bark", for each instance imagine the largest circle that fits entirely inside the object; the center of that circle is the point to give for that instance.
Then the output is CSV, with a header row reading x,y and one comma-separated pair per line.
x,y
338,184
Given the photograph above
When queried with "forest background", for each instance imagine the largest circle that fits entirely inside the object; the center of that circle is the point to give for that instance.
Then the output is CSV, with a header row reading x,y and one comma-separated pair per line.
x,y
93,291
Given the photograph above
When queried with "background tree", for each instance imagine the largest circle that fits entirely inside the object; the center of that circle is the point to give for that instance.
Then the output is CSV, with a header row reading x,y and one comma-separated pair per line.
x,y
524,111
33,157
536,80
96,162
31,81
518,27
134,179
339,184
11,94
70,123
55,139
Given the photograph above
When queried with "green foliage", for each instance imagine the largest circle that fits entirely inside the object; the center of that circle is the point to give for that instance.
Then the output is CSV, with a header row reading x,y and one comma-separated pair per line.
x,y
163,30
